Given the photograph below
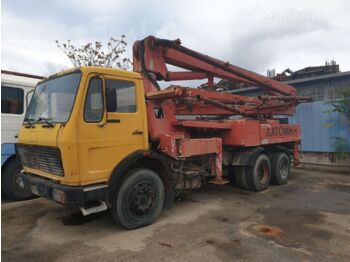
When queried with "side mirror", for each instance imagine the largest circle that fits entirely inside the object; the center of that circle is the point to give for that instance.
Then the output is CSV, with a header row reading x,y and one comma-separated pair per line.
x,y
27,97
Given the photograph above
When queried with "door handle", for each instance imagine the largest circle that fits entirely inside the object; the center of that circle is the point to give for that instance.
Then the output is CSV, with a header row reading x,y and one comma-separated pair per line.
x,y
137,132
113,121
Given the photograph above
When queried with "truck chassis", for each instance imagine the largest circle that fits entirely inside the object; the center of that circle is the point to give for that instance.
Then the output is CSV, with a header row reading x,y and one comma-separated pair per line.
x,y
196,136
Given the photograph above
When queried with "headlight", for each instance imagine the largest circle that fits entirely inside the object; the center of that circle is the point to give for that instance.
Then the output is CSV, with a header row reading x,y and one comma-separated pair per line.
x,y
59,195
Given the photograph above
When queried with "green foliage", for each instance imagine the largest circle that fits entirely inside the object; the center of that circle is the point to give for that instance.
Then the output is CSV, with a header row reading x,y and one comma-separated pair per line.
x,y
342,106
327,125
93,54
340,144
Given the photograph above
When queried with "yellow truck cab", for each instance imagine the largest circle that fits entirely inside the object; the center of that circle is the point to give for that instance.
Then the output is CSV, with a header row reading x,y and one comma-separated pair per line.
x,y
83,126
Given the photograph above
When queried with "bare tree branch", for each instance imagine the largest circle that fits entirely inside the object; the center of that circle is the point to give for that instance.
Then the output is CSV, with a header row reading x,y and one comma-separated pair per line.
x,y
93,54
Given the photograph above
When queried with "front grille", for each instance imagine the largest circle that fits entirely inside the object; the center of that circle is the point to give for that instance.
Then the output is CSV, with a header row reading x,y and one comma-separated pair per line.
x,y
44,158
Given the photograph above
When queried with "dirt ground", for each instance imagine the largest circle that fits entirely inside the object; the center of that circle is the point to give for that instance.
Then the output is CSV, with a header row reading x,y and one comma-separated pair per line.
x,y
306,220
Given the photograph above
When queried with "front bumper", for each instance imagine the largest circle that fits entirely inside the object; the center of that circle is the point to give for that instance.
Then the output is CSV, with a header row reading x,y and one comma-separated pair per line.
x,y
74,196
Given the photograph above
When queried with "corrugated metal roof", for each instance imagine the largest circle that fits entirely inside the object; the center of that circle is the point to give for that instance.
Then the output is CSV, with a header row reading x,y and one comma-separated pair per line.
x,y
318,78
296,81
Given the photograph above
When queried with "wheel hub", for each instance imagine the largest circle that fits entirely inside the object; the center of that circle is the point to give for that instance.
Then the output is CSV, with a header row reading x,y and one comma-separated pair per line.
x,y
18,181
284,169
263,174
141,199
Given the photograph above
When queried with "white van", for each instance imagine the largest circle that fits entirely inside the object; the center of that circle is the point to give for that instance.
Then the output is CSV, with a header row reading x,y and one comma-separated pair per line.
x,y
15,95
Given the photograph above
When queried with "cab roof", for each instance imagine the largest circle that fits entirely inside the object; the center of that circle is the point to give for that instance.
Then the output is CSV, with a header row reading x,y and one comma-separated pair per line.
x,y
98,69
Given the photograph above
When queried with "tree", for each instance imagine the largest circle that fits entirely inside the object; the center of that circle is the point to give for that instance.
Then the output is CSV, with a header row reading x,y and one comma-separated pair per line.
x,y
93,54
341,105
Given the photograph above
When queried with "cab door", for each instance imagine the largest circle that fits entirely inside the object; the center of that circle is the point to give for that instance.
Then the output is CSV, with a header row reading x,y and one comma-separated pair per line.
x,y
113,125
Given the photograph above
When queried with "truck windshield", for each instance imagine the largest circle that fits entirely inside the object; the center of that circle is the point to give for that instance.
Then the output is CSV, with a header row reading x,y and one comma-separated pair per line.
x,y
53,99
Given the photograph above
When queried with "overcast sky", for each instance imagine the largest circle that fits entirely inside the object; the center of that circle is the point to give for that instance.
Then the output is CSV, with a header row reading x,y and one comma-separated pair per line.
x,y
257,35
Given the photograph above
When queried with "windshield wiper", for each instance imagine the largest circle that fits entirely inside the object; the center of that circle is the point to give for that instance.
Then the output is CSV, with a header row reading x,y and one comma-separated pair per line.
x,y
46,120
28,122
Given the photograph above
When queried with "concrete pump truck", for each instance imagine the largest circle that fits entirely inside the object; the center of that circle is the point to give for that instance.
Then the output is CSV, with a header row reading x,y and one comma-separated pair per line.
x,y
99,138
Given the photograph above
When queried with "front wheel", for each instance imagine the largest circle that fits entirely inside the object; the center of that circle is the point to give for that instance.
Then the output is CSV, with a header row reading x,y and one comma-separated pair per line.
x,y
11,184
139,200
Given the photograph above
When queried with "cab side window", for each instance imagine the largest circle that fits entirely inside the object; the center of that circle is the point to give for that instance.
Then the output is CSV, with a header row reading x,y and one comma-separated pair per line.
x,y
12,100
120,96
93,109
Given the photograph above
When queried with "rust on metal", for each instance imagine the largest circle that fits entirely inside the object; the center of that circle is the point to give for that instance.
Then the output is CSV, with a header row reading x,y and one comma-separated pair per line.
x,y
248,121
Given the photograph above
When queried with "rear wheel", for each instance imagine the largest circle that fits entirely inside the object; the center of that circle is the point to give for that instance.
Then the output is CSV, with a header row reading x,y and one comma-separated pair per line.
x,y
241,176
258,177
11,184
280,165
139,200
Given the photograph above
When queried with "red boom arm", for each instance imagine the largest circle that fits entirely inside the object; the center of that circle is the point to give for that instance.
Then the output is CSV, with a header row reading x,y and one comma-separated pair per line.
x,y
152,55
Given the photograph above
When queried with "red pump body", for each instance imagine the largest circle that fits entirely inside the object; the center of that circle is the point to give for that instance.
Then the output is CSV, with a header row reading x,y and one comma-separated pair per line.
x,y
186,122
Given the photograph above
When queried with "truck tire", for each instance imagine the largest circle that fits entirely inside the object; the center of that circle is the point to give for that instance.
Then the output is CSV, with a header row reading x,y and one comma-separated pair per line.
x,y
139,200
240,177
259,176
280,166
10,187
